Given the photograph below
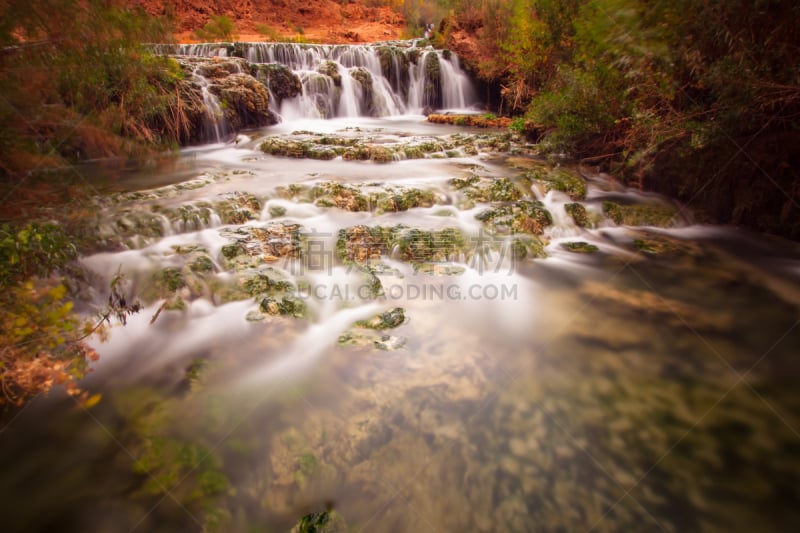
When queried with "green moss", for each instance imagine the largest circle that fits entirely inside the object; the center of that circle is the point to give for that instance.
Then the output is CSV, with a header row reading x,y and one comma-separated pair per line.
x,y
658,215
523,216
276,211
229,251
487,189
169,279
560,179
329,68
578,213
388,320
262,284
201,263
286,306
579,247
238,208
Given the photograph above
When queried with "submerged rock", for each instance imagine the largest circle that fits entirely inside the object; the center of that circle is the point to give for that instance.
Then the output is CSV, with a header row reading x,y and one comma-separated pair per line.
x,y
523,216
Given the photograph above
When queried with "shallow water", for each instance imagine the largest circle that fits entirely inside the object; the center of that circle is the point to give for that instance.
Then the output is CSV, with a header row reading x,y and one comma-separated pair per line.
x,y
616,390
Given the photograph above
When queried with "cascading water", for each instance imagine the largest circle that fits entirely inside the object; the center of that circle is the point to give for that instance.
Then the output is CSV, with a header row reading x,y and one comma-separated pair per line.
x,y
357,80
216,127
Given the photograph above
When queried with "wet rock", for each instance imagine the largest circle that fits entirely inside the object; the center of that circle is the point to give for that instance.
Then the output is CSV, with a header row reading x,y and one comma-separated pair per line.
x,y
389,343
364,78
276,211
370,197
359,244
578,213
282,82
189,217
487,189
245,101
523,216
560,179
253,246
387,320
432,95
238,208
262,284
579,247
285,306
653,244
659,215
331,70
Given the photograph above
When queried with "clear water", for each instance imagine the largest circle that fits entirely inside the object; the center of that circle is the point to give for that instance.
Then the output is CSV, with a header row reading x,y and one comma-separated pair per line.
x,y
612,391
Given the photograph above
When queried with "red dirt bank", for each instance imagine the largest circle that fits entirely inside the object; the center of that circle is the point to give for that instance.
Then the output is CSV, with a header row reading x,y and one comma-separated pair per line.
x,y
325,21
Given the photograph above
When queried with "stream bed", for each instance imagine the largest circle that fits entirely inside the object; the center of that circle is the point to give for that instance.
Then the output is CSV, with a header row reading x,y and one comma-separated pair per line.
x,y
419,328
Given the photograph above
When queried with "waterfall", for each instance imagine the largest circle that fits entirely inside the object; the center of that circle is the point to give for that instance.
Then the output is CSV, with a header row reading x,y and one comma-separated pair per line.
x,y
216,125
355,80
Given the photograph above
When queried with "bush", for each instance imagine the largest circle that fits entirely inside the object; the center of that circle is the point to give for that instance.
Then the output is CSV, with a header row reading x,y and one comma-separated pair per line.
x,y
219,28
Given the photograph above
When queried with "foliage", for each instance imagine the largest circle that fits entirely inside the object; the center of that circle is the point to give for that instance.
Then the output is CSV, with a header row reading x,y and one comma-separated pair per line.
x,y
41,338
218,28
76,82
667,93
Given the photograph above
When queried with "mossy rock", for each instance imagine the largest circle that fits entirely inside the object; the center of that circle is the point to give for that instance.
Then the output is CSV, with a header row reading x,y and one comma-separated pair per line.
x,y
254,246
291,148
321,522
652,244
294,192
658,215
381,154
561,179
365,197
360,244
201,264
580,247
331,70
527,247
238,208
169,279
276,211
480,189
417,245
285,306
191,217
578,213
335,194
138,223
262,284
282,82
229,251
387,320
523,216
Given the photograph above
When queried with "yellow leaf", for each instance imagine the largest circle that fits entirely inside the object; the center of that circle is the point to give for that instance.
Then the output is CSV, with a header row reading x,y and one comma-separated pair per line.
x,y
92,400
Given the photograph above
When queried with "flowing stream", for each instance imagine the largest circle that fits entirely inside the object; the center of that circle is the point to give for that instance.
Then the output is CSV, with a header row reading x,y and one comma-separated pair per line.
x,y
367,330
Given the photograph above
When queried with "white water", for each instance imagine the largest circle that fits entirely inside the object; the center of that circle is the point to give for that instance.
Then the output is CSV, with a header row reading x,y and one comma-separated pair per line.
x,y
399,89
491,413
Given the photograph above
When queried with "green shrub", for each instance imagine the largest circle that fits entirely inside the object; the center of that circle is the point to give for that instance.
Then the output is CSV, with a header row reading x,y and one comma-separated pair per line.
x,y
218,28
